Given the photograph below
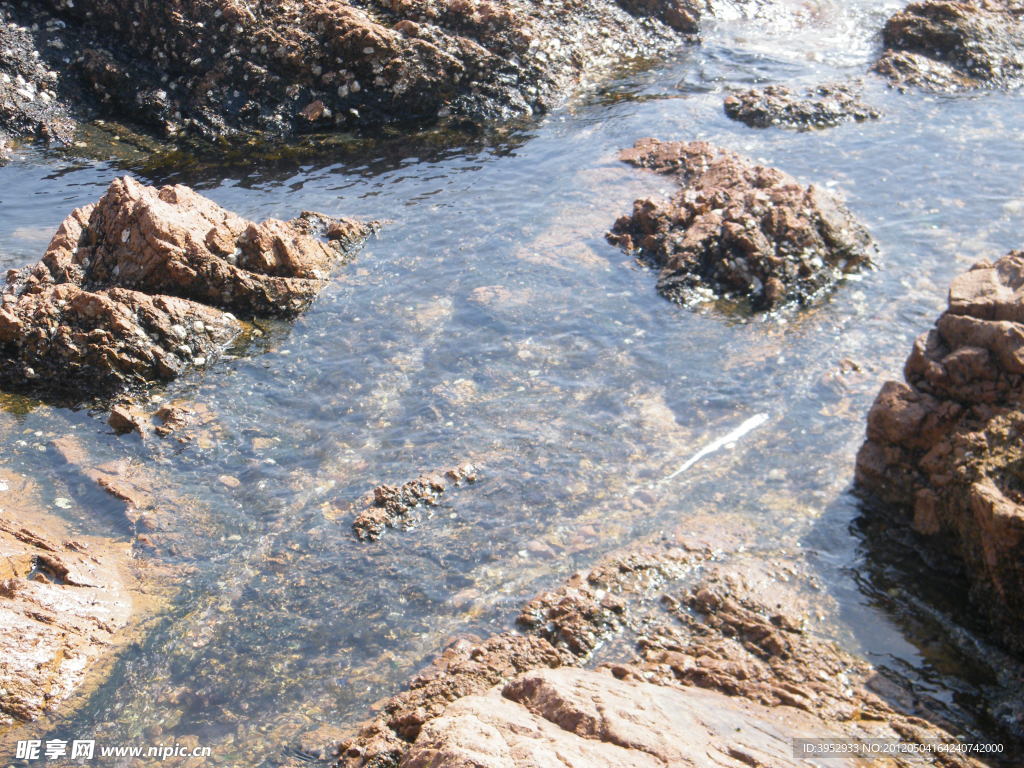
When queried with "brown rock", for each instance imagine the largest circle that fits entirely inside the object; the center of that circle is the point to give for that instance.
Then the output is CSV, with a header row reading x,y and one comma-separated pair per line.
x,y
137,288
724,674
738,230
944,450
125,418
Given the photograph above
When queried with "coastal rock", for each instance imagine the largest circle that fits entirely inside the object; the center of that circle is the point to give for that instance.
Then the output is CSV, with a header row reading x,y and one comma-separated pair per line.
x,y
737,230
723,671
820,107
65,605
141,286
217,67
944,451
943,45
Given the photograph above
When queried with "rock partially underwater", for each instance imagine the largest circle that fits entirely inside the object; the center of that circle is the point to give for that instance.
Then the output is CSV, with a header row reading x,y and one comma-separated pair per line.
x,y
738,230
146,283
945,449
942,45
820,107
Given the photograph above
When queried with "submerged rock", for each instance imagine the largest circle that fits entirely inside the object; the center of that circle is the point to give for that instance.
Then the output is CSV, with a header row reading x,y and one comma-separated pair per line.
x,y
65,606
943,45
945,450
142,285
739,230
394,506
820,107
215,67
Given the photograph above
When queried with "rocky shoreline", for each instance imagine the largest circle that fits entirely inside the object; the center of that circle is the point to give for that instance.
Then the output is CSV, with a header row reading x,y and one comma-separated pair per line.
x,y
660,655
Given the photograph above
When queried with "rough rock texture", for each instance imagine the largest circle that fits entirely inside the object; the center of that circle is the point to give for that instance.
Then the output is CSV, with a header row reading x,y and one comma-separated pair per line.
x,y
944,450
64,605
141,286
722,673
574,718
820,107
216,66
464,669
29,104
945,45
739,230
393,506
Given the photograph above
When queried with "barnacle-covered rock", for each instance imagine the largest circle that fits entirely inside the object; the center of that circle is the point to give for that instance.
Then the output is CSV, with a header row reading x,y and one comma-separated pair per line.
x,y
739,230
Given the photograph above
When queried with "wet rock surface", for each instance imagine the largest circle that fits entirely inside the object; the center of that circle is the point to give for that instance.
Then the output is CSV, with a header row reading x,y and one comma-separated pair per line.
x,y
391,506
142,285
713,660
216,67
30,105
66,604
943,451
942,45
777,105
736,230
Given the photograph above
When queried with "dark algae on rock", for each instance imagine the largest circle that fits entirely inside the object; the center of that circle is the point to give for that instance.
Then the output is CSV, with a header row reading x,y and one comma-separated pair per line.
x,y
942,45
738,230
143,285
945,449
218,67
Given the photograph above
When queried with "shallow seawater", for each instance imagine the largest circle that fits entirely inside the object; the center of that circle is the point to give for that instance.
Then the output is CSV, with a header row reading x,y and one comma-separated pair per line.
x,y
490,322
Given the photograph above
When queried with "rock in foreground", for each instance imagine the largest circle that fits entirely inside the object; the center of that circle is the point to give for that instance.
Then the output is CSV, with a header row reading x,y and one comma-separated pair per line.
x,y
722,673
945,450
737,230
587,719
821,107
214,67
944,45
142,285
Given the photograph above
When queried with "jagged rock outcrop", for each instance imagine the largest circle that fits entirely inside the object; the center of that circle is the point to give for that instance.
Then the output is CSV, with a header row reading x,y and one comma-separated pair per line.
x,y
944,450
777,105
723,672
142,285
216,67
944,45
739,230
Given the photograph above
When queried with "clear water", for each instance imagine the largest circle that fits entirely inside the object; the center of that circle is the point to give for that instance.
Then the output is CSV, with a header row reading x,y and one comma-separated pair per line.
x,y
491,322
